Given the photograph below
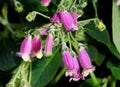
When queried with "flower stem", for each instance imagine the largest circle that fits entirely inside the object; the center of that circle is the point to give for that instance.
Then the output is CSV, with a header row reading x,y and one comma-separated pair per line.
x,y
95,8
94,78
58,77
74,2
45,16
61,2
17,71
30,73
68,34
113,82
73,38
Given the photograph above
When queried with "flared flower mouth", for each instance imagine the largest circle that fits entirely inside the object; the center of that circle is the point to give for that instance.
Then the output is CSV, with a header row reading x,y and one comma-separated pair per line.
x,y
86,72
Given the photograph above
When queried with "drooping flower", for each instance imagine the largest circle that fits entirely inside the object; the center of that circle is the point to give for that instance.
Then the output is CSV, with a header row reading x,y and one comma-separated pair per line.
x,y
45,2
68,21
118,3
76,76
48,45
55,18
36,47
85,62
68,62
72,66
25,48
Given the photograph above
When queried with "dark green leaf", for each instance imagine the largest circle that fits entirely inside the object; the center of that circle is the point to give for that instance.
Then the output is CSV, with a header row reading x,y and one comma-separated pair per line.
x,y
93,53
116,25
113,49
113,63
116,72
95,56
102,37
100,59
8,58
95,33
45,69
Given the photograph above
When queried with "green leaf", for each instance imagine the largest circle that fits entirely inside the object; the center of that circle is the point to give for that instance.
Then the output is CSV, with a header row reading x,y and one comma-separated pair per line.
x,y
100,59
116,25
93,53
112,62
113,65
94,32
116,72
45,69
8,58
113,49
102,37
95,56
89,83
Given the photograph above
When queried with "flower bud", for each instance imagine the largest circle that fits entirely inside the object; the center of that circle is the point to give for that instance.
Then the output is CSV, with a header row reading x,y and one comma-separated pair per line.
x,y
18,6
45,2
48,45
55,18
31,16
43,31
36,47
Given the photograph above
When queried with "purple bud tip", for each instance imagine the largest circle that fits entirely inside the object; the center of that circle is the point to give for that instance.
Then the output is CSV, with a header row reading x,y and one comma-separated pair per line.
x,y
45,2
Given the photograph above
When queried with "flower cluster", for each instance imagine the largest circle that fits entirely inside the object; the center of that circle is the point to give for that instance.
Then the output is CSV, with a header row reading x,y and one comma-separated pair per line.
x,y
69,20
59,33
73,66
33,47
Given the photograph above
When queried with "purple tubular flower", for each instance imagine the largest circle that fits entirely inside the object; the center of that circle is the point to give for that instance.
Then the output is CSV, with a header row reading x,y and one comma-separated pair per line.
x,y
84,59
68,21
45,2
36,47
25,48
85,62
48,45
67,59
55,18
72,65
118,3
36,44
76,76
